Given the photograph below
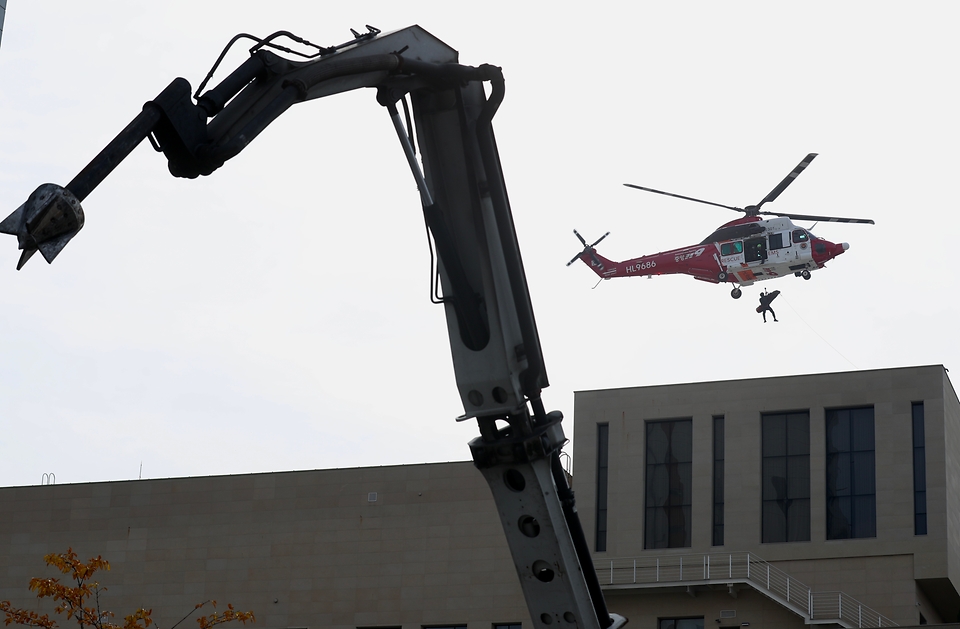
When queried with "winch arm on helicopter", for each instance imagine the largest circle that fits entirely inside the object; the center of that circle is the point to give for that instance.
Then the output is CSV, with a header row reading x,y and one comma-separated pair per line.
x,y
492,331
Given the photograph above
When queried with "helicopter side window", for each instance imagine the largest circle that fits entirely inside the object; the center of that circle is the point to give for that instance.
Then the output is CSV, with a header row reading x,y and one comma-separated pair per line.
x,y
776,241
731,248
800,235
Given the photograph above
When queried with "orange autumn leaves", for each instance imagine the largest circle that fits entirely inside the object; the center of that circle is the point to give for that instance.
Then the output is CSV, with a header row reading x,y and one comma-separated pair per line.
x,y
80,600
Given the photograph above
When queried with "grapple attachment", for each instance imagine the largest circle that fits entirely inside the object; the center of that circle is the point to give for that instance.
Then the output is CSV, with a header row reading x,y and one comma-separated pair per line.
x,y
46,222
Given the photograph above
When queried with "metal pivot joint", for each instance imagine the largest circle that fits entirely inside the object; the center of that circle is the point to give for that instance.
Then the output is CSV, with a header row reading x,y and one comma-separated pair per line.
x,y
520,463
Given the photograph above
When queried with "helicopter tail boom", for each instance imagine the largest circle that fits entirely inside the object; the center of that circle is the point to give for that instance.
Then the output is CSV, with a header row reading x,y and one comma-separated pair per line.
x,y
598,264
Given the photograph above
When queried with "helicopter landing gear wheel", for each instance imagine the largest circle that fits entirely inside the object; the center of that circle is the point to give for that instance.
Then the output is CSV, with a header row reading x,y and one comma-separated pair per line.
x,y
735,293
805,274
722,276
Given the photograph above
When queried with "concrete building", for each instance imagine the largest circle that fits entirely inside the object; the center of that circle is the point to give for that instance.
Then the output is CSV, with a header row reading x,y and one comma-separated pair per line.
x,y
410,546
776,502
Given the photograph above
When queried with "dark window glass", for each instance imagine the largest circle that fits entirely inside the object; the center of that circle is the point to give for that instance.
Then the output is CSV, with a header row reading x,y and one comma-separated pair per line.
x,y
603,459
776,241
755,249
786,477
851,473
680,623
919,472
507,625
718,480
799,235
668,480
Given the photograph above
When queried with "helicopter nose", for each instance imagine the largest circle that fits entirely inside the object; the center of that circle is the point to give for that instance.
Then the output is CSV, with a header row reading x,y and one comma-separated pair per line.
x,y
824,250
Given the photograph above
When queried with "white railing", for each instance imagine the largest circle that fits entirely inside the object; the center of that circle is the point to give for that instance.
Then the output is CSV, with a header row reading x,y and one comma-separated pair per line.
x,y
839,605
741,568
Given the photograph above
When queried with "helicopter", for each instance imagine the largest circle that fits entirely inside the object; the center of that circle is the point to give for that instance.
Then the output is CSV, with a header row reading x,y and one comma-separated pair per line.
x,y
746,250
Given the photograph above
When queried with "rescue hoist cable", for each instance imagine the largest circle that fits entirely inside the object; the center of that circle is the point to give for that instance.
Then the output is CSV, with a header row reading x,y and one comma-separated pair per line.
x,y
817,333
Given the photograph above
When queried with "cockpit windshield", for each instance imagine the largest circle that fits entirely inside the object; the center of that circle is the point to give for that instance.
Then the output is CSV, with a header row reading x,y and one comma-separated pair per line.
x,y
801,235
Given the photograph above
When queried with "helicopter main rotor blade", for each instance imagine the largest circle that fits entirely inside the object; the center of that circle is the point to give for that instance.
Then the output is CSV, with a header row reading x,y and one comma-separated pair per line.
x,y
680,196
787,180
828,219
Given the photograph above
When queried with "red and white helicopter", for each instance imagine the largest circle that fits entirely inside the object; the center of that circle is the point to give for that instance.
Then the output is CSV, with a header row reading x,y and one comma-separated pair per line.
x,y
747,250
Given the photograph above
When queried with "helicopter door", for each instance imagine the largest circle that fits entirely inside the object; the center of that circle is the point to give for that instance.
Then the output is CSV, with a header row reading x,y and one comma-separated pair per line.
x,y
755,251
778,249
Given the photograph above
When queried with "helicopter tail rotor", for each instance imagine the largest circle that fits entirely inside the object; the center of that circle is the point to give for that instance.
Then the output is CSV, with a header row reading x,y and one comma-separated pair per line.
x,y
588,249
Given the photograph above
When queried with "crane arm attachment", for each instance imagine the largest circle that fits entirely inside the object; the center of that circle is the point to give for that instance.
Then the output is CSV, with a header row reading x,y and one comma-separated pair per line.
x,y
492,331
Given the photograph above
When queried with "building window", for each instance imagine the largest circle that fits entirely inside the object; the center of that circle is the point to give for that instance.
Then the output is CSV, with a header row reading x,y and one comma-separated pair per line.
x,y
669,454
851,476
919,472
786,477
680,623
718,480
603,460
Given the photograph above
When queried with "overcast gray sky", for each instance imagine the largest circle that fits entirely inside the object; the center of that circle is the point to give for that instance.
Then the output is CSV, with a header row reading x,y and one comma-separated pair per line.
x,y
275,315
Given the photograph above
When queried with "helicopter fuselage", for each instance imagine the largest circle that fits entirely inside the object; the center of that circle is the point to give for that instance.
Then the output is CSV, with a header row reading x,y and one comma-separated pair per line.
x,y
747,250
744,251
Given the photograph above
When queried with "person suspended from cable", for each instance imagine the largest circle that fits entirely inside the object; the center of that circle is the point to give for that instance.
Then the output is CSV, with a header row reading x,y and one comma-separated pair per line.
x,y
766,298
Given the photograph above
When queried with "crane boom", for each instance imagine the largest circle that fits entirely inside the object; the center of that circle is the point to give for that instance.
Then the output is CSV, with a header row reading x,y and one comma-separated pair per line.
x,y
493,335
3,10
